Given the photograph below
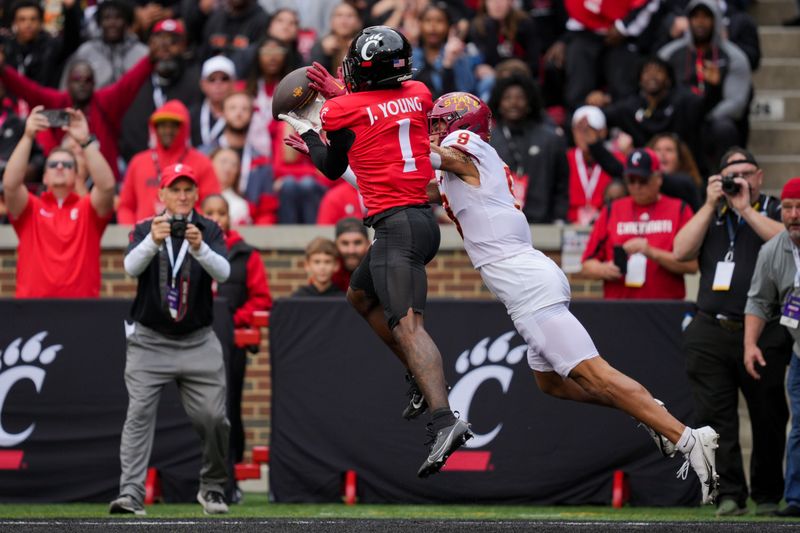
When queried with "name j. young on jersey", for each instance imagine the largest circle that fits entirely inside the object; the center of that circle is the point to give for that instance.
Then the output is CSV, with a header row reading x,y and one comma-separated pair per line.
x,y
393,108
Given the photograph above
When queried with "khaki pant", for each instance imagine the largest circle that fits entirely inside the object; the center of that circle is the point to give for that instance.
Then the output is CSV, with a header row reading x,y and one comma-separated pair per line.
x,y
195,362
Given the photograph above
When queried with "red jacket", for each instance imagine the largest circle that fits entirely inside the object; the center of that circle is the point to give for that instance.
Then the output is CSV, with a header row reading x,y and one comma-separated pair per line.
x,y
104,111
258,296
138,198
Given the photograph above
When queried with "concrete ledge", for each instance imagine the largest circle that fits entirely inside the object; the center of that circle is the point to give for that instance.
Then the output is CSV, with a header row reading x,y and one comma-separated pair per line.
x,y
545,237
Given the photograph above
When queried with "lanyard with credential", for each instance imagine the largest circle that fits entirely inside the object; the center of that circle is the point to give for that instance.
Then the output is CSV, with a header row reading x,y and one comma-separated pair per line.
x,y
731,236
589,184
209,133
796,256
174,264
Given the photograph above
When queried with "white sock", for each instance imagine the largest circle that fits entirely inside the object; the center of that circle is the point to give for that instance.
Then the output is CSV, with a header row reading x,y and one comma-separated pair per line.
x,y
686,441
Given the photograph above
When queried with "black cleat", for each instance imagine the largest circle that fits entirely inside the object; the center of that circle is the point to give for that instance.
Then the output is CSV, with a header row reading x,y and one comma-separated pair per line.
x,y
444,443
416,401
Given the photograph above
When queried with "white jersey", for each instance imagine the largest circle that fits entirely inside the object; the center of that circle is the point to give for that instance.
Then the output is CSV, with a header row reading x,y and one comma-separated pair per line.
x,y
487,216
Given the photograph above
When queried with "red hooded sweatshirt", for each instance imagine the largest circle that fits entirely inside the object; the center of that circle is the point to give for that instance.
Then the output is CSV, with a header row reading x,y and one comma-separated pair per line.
x,y
138,198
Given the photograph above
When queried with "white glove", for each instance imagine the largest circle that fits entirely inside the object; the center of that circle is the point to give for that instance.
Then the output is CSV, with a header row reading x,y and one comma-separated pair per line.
x,y
301,125
311,113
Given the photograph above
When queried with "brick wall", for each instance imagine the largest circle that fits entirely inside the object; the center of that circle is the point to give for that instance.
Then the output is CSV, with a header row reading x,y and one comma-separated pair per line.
x,y
450,274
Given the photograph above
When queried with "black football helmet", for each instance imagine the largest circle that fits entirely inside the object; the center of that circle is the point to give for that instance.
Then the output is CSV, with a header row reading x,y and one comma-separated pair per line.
x,y
379,58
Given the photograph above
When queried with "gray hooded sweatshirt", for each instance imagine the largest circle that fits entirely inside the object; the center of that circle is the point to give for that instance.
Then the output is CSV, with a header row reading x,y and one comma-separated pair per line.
x,y
735,72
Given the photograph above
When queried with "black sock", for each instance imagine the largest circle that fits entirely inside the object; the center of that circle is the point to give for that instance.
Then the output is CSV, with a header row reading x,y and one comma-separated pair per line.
x,y
441,418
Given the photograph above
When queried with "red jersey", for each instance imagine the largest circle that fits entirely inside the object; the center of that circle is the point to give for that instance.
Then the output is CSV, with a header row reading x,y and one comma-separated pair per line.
x,y
59,247
658,222
587,187
391,152
600,14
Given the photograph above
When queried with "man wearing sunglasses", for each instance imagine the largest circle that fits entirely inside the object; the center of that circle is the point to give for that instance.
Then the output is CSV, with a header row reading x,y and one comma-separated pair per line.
x,y
59,233
217,80
630,247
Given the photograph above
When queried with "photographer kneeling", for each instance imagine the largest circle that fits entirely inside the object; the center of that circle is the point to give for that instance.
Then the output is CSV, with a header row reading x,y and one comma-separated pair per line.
x,y
725,235
176,256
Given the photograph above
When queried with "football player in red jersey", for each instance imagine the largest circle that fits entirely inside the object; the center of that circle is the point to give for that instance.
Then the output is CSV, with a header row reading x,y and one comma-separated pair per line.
x,y
380,129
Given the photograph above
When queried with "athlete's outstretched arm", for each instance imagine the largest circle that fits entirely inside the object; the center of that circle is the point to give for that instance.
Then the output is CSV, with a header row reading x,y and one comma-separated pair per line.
x,y
457,162
330,160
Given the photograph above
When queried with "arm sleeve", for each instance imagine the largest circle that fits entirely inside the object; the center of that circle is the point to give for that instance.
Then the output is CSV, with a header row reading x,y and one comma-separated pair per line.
x,y
258,295
606,159
139,254
330,160
735,87
595,248
763,294
118,97
560,181
32,92
212,262
71,34
126,211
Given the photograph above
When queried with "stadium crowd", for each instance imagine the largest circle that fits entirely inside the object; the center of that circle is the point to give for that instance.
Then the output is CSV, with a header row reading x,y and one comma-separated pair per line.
x,y
627,116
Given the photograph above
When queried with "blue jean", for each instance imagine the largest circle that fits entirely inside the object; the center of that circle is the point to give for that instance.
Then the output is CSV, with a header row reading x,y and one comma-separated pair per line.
x,y
299,200
792,488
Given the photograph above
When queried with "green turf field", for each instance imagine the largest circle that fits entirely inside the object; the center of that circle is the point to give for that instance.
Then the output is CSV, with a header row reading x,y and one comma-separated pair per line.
x,y
257,506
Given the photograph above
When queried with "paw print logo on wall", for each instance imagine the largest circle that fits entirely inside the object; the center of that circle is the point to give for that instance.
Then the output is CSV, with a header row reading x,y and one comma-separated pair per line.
x,y
19,364
482,363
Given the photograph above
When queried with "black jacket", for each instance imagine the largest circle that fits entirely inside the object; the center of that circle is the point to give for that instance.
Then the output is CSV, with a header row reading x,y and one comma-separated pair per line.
x,y
538,151
681,112
224,33
150,307
43,59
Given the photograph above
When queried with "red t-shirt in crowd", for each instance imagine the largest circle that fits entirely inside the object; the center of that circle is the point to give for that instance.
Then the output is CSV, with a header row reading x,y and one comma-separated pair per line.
x,y
391,152
658,222
587,185
59,247
340,202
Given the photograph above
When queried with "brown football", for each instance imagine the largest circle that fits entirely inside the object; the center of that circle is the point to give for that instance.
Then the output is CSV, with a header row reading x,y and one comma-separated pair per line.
x,y
292,93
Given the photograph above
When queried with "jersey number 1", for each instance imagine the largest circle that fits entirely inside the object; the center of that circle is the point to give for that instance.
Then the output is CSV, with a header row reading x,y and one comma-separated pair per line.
x,y
409,162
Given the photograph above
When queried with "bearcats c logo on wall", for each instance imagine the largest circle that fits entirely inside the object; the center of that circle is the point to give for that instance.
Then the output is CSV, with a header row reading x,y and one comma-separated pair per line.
x,y
20,364
479,364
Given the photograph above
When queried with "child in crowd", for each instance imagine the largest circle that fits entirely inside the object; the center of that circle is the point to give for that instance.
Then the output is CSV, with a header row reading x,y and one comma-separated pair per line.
x,y
322,260
227,165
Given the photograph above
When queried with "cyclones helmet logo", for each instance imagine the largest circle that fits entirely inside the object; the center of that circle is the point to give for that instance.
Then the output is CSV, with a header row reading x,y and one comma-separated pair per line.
x,y
370,44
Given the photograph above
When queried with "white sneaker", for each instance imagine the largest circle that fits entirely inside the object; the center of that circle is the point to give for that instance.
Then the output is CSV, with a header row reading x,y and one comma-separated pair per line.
x,y
213,502
701,458
663,444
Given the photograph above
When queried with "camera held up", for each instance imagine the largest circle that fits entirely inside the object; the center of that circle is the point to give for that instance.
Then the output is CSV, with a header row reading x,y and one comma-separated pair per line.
x,y
177,227
729,186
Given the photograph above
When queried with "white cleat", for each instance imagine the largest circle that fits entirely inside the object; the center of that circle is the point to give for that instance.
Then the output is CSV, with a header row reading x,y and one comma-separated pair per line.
x,y
701,458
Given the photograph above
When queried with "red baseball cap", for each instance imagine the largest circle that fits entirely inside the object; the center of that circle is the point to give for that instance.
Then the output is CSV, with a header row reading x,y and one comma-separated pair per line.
x,y
173,173
169,26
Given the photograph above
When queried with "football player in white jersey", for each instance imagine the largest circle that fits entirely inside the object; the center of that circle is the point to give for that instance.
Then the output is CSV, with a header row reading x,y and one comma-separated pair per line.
x,y
476,190
474,186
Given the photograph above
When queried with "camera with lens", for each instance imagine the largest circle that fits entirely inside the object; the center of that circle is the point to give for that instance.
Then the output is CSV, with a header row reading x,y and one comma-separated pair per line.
x,y
729,186
177,227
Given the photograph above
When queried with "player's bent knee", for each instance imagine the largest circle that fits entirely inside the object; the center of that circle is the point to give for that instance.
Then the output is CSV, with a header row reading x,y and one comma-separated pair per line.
x,y
360,301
